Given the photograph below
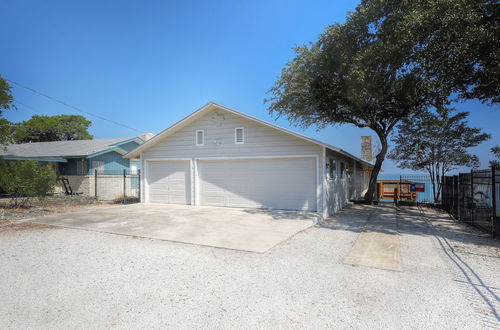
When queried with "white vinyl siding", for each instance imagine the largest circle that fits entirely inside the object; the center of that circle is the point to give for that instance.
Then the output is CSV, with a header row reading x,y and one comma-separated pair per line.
x,y
239,135
259,183
168,182
259,140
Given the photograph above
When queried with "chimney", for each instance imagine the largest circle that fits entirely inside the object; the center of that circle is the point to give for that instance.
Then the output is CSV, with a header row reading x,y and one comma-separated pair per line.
x,y
146,136
366,148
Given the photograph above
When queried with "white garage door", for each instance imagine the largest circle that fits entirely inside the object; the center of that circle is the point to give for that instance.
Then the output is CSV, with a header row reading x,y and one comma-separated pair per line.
x,y
288,184
168,182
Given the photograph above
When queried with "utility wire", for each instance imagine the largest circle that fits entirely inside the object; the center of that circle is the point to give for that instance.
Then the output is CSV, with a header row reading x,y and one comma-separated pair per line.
x,y
71,106
28,107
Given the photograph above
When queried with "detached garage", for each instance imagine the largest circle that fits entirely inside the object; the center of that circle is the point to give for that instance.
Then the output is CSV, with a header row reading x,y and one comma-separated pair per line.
x,y
220,157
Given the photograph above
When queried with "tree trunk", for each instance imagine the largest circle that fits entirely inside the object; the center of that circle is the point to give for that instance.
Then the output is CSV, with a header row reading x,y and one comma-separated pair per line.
x,y
370,193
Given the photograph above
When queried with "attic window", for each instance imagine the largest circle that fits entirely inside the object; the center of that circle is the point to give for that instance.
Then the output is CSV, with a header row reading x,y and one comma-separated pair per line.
x,y
200,137
239,136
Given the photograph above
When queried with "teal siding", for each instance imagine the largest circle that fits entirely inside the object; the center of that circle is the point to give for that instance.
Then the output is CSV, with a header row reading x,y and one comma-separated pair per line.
x,y
129,146
113,163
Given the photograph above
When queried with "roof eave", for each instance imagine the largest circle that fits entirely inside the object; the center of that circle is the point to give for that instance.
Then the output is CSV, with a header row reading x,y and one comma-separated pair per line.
x,y
134,153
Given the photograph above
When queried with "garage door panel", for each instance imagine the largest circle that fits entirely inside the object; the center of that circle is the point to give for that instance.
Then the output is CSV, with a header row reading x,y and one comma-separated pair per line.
x,y
259,183
168,182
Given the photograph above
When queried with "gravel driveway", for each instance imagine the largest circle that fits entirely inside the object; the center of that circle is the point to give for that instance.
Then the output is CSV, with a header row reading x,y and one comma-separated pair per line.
x,y
65,278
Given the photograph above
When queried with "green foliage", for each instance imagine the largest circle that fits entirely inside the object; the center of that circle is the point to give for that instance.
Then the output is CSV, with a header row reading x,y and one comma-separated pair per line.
x,y
392,59
23,180
436,143
454,43
5,96
5,104
53,128
496,152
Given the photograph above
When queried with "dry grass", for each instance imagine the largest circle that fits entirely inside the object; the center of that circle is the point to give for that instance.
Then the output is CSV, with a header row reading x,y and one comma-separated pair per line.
x,y
10,226
52,205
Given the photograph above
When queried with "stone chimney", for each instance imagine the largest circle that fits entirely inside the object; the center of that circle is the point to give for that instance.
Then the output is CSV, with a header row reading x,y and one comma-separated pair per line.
x,y
366,149
146,136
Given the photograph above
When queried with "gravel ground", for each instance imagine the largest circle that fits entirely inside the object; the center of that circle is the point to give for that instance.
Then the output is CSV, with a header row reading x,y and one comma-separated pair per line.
x,y
62,278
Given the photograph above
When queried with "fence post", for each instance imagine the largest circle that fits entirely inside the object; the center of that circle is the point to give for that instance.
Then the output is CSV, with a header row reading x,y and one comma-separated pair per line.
x,y
459,197
495,225
95,183
472,205
124,186
139,183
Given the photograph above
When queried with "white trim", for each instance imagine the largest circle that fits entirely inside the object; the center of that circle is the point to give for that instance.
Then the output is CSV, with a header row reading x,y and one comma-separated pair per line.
x,y
211,105
196,185
143,173
191,181
202,137
153,159
256,157
323,184
242,135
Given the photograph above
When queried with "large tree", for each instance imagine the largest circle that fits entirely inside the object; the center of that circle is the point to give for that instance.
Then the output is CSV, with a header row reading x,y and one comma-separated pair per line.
x,y
352,75
53,128
6,100
436,142
390,59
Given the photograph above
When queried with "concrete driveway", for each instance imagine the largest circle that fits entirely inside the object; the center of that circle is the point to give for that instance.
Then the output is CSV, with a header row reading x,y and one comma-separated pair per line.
x,y
254,230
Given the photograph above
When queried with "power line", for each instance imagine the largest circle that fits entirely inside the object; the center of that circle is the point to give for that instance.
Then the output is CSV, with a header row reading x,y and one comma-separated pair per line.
x,y
28,107
71,106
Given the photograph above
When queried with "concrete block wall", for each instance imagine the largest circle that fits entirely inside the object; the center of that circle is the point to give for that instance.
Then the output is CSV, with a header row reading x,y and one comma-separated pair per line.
x,y
109,187
80,184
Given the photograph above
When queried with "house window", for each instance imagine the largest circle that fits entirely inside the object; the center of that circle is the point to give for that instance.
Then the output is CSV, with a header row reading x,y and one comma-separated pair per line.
x,y
200,137
239,135
342,170
98,165
81,167
332,169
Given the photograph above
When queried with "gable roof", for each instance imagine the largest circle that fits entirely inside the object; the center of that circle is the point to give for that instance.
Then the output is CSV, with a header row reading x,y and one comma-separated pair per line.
x,y
210,106
62,149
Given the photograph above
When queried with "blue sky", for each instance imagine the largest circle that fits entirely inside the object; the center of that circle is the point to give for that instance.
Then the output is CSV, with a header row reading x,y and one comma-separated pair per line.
x,y
148,64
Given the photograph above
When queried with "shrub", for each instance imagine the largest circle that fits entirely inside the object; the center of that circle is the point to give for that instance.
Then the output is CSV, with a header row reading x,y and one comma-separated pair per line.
x,y
23,180
122,199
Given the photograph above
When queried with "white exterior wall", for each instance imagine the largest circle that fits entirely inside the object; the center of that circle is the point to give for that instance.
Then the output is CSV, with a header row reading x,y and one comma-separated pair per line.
x,y
218,125
259,140
339,191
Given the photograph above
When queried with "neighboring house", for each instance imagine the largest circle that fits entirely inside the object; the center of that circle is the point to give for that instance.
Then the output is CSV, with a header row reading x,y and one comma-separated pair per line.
x,y
78,160
221,157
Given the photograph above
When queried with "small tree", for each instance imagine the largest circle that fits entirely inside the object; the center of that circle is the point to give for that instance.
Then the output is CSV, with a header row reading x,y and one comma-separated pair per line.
x,y
23,180
436,143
